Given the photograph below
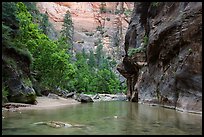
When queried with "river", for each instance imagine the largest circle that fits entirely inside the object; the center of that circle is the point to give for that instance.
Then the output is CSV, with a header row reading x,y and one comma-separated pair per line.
x,y
104,118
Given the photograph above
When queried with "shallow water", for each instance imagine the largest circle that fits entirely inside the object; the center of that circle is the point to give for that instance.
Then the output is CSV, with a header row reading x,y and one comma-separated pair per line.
x,y
105,118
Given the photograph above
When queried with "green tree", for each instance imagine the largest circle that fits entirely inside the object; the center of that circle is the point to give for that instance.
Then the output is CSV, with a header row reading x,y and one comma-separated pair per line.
x,y
99,53
32,9
45,24
91,59
68,29
84,53
50,62
10,24
90,78
6,35
82,74
62,44
42,20
89,72
9,10
107,81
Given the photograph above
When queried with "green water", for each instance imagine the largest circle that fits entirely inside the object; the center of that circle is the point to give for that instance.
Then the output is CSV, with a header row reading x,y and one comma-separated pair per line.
x,y
104,118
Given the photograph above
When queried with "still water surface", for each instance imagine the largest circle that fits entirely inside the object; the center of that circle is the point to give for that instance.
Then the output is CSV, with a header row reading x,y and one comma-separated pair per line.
x,y
104,118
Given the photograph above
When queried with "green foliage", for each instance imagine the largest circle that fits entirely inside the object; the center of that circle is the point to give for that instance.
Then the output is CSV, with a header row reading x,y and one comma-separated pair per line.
x,y
28,30
9,22
91,60
90,77
94,73
81,79
145,40
107,82
7,32
116,39
103,7
155,4
25,53
50,61
32,9
84,53
11,62
101,29
62,44
42,20
89,73
9,10
128,12
117,11
27,81
132,51
4,91
52,64
45,24
99,53
89,93
68,29
6,35
113,63
97,42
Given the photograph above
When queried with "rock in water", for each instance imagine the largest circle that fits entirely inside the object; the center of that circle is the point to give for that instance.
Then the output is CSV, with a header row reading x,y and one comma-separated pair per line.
x,y
54,124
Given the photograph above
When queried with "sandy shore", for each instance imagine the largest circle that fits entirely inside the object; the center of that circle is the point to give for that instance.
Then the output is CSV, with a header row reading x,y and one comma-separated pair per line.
x,y
45,103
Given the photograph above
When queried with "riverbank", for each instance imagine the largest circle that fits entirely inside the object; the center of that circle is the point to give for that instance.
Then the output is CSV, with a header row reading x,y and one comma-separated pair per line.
x,y
42,103
54,101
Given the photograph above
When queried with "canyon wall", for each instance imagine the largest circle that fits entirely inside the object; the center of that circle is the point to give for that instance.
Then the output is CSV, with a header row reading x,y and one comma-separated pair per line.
x,y
86,17
170,34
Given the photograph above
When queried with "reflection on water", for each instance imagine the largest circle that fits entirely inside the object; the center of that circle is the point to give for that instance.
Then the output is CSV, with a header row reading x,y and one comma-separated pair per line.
x,y
117,117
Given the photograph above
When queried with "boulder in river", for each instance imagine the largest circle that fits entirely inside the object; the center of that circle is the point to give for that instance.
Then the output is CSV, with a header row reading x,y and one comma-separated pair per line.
x,y
84,98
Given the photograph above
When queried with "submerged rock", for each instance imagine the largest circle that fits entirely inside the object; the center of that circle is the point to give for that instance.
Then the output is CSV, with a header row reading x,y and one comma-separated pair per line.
x,y
54,124
57,124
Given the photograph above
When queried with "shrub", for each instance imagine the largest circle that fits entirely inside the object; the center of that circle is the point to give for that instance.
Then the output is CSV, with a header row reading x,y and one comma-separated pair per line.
x,y
102,7
25,53
127,12
4,91
145,40
132,51
155,4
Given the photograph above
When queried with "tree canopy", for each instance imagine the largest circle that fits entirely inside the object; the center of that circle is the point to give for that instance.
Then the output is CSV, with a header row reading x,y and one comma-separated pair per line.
x,y
51,59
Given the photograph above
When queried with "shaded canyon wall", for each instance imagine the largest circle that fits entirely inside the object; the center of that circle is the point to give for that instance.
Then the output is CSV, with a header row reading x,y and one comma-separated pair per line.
x,y
171,35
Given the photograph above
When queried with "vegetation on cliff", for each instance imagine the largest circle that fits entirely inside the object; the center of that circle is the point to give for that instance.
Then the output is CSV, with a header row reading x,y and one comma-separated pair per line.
x,y
51,63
